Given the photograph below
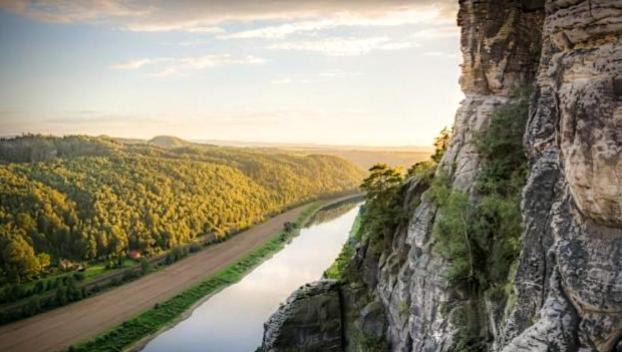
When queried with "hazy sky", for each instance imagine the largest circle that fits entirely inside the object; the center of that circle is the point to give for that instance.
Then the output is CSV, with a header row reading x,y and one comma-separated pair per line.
x,y
311,71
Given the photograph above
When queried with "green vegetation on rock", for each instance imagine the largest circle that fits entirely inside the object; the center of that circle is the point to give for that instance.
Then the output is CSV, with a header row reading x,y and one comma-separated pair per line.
x,y
336,270
384,204
480,236
478,233
384,208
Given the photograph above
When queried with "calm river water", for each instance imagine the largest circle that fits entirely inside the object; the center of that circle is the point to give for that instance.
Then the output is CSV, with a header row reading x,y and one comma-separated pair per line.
x,y
232,320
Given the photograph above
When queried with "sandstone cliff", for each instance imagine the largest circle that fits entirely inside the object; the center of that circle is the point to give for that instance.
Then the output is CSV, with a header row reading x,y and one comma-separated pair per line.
x,y
569,281
567,289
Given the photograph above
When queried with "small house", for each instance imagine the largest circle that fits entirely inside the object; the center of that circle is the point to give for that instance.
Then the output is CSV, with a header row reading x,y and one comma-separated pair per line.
x,y
135,255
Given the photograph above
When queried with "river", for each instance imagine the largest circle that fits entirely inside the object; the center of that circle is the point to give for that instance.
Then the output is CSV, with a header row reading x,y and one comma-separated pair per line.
x,y
232,320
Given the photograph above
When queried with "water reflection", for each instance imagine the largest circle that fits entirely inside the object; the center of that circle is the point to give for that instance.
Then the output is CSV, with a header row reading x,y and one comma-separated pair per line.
x,y
332,213
232,320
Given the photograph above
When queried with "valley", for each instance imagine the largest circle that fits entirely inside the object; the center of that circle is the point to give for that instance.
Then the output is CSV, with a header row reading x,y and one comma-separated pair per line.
x,y
269,176
77,322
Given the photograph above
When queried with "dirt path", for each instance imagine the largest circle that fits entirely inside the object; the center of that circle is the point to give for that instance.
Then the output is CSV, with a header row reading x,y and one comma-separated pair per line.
x,y
59,328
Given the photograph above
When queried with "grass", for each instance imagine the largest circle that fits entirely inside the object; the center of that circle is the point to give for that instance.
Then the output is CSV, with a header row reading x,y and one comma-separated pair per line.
x,y
94,271
153,320
38,296
90,273
336,270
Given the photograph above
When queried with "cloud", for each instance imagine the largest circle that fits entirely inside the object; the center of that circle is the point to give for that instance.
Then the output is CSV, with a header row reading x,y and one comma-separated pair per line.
x,y
210,61
320,77
339,74
103,118
167,72
135,64
67,11
397,46
196,42
342,19
440,54
438,32
174,66
339,46
285,80
190,26
206,16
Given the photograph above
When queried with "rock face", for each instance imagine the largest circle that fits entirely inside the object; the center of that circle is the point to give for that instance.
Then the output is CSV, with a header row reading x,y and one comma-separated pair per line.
x,y
310,320
500,50
584,72
568,283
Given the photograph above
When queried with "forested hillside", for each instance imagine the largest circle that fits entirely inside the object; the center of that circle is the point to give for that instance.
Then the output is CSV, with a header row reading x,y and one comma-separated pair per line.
x,y
87,198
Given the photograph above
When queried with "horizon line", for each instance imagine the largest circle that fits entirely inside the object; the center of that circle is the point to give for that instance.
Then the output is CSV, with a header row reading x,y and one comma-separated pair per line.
x,y
236,142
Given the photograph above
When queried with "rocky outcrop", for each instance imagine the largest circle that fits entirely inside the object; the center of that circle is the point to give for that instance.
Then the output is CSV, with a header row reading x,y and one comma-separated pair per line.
x,y
500,49
583,72
310,320
568,283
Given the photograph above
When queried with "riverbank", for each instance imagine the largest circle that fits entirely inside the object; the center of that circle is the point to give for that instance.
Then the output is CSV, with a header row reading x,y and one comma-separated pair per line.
x,y
97,277
80,321
232,320
284,238
134,334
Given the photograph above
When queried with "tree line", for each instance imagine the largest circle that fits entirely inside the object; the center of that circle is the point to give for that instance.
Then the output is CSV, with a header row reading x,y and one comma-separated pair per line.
x,y
92,198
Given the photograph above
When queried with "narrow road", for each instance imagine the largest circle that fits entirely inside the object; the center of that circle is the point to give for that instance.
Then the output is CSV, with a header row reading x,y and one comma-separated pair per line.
x,y
57,329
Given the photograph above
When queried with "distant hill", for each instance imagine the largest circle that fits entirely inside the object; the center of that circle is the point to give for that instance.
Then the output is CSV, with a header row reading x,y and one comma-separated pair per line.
x,y
168,142
31,148
364,156
367,158
89,198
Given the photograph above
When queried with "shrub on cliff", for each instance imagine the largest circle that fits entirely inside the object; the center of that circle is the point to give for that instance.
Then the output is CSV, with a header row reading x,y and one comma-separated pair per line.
x,y
383,206
479,234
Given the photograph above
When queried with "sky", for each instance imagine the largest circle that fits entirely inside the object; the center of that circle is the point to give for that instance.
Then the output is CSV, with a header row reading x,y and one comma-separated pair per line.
x,y
341,72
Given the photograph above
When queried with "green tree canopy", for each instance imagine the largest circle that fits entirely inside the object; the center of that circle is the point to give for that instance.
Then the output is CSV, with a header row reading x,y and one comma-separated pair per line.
x,y
86,198
18,257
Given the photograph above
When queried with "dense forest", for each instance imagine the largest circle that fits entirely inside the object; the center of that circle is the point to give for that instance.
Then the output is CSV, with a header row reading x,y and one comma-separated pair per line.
x,y
89,198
